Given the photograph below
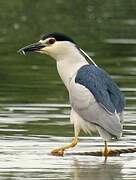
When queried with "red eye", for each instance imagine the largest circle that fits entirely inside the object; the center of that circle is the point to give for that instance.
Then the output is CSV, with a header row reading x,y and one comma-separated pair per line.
x,y
51,41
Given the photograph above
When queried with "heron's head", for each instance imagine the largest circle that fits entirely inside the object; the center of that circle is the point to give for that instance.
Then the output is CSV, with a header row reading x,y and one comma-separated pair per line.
x,y
53,44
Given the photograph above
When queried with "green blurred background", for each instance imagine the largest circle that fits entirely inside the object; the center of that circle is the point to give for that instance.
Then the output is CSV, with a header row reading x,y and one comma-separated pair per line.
x,y
105,29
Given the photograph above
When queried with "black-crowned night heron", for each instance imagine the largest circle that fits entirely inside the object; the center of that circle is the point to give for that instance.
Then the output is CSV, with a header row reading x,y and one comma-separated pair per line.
x,y
96,101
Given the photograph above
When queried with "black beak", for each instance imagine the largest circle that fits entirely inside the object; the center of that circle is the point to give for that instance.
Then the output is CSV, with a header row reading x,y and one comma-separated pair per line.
x,y
32,47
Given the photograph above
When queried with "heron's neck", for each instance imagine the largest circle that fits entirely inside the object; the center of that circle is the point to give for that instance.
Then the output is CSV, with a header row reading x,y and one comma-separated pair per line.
x,y
69,65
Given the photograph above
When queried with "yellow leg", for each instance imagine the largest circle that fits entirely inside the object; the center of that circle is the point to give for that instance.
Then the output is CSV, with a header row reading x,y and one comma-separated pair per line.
x,y
60,150
106,150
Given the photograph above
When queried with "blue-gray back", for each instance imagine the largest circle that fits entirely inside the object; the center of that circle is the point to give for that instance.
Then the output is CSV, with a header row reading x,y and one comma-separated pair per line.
x,y
104,89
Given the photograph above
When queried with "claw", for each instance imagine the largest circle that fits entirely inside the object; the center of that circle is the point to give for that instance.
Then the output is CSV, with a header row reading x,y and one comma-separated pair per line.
x,y
58,152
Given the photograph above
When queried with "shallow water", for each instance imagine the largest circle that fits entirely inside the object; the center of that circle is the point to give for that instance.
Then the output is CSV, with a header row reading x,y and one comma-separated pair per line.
x,y
34,110
30,131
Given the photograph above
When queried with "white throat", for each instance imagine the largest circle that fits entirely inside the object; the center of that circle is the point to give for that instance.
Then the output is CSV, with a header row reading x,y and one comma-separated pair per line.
x,y
69,64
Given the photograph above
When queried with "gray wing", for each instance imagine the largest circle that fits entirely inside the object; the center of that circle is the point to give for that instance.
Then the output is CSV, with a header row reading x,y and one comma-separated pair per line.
x,y
85,104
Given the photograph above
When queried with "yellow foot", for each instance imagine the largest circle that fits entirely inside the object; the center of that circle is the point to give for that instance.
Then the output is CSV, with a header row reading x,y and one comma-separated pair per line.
x,y
58,152
106,151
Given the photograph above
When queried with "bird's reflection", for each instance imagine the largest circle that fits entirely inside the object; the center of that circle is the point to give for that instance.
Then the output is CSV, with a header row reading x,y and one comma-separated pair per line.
x,y
91,170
